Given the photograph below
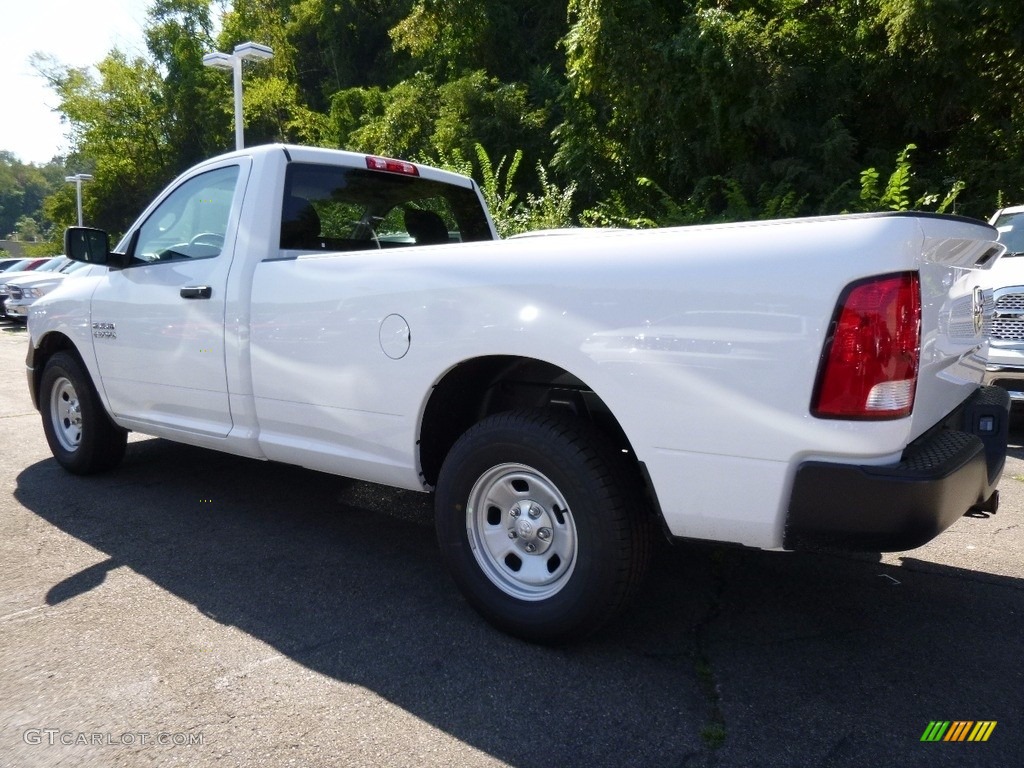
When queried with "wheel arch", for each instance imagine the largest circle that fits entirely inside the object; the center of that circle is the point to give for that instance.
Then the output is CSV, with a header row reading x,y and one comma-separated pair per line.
x,y
39,354
479,387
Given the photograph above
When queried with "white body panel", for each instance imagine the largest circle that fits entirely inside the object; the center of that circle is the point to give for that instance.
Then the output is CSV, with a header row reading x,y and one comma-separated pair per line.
x,y
703,342
707,361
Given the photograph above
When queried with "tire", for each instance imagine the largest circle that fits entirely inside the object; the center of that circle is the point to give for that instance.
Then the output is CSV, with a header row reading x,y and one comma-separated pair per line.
x,y
81,435
542,525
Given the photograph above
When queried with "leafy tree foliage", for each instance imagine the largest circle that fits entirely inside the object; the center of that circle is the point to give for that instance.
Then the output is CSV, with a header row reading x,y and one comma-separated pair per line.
x,y
119,128
22,191
178,34
779,99
624,112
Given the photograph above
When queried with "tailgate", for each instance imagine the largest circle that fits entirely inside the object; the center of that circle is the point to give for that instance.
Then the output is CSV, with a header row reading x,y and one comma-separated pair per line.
x,y
955,309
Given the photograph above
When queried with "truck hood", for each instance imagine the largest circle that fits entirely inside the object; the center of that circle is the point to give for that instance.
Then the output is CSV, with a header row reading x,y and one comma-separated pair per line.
x,y
30,282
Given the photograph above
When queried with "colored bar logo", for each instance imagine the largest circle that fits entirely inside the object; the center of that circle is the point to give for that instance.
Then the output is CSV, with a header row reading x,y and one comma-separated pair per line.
x,y
958,730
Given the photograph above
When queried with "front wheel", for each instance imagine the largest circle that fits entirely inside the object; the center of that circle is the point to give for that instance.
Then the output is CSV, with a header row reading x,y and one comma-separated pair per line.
x,y
542,525
81,436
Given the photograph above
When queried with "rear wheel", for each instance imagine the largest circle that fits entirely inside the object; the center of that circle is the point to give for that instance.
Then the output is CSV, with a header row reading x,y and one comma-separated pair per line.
x,y
542,525
81,436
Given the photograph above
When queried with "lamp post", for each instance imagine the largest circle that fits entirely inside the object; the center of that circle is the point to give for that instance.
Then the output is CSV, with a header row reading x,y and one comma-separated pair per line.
x,y
77,179
233,61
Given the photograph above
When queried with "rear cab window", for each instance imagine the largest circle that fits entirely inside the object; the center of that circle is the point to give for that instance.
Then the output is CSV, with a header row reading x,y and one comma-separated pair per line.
x,y
337,208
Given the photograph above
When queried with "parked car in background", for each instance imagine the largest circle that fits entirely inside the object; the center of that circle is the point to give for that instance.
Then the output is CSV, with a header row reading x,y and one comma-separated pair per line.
x,y
21,265
1004,361
23,291
8,263
52,264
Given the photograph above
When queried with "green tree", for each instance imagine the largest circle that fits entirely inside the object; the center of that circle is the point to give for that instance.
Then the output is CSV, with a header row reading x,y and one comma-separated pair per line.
x,y
512,40
633,111
27,229
948,82
118,131
775,100
23,189
686,92
178,33
286,98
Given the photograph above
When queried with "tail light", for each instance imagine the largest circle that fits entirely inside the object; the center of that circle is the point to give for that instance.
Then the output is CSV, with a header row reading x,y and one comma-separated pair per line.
x,y
870,361
391,165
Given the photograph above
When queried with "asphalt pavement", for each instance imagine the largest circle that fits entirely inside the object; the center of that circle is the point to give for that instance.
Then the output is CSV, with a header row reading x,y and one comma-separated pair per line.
x,y
196,609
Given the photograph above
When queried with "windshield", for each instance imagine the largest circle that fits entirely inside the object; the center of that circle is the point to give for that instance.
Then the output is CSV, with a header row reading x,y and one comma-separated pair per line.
x,y
17,266
1011,232
73,266
53,264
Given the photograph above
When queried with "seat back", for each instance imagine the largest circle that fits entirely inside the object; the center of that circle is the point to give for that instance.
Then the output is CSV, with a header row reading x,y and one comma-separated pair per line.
x,y
300,224
425,226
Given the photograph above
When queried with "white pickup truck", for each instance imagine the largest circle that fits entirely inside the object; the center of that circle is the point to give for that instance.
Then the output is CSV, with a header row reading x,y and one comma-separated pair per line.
x,y
1004,361
782,385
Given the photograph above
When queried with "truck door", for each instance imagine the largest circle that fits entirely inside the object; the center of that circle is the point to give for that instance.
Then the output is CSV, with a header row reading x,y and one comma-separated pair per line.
x,y
158,324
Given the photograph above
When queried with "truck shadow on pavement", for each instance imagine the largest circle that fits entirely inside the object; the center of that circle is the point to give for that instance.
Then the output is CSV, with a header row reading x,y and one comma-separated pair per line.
x,y
730,657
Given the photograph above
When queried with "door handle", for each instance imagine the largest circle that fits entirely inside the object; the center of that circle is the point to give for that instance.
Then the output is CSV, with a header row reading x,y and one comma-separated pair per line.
x,y
196,292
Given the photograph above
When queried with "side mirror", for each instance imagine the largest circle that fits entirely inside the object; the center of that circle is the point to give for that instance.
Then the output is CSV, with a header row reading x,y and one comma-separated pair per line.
x,y
87,244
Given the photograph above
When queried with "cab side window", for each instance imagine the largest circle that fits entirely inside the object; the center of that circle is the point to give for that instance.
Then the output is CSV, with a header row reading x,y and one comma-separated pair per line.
x,y
191,222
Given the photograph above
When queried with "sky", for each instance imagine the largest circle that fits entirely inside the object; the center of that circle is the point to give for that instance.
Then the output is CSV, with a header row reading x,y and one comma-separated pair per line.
x,y
78,33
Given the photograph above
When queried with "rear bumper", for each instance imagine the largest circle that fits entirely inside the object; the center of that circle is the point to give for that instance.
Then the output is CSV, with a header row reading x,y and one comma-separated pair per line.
x,y
950,470
1009,377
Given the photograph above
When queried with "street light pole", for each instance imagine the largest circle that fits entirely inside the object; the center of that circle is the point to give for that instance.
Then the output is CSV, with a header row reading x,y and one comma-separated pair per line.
x,y
233,61
236,66
77,179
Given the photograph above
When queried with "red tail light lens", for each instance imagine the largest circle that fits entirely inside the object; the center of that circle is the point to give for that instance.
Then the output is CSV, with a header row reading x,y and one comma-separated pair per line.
x,y
870,361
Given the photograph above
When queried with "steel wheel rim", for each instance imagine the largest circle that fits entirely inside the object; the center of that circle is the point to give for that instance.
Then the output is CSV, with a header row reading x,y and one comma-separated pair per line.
x,y
66,414
521,531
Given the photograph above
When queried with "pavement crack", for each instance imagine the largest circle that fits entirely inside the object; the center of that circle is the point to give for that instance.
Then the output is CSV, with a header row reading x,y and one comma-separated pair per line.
x,y
26,611
713,732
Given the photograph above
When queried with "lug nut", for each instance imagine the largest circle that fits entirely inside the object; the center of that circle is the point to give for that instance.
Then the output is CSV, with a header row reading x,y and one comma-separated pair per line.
x,y
544,533
531,547
513,535
515,512
534,513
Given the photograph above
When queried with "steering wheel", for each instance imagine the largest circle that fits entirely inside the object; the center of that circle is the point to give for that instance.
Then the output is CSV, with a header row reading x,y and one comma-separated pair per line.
x,y
212,239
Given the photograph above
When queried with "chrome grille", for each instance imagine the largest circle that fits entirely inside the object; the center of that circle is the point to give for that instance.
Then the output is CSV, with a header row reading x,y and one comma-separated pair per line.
x,y
960,322
1008,322
1007,330
1010,302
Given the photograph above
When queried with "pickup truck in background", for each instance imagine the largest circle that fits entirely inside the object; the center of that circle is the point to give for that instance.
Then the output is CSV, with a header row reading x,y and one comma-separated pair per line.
x,y
780,384
29,268
19,292
1004,355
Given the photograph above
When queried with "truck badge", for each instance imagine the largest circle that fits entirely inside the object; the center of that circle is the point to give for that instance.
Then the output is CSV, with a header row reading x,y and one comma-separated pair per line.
x,y
104,331
978,309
